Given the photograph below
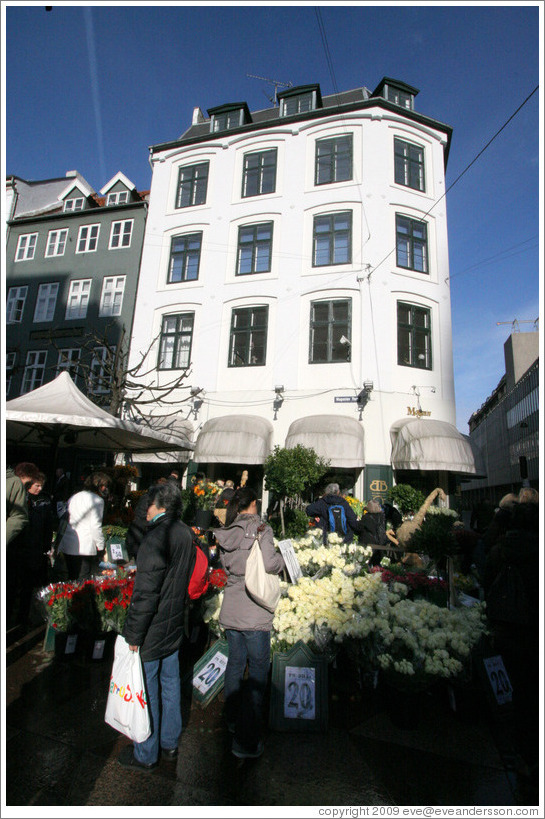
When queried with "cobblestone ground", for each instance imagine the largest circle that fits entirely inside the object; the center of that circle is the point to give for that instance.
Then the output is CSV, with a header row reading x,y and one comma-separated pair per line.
x,y
59,751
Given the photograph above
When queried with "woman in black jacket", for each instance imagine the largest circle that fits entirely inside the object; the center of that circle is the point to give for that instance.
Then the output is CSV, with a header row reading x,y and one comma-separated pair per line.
x,y
155,623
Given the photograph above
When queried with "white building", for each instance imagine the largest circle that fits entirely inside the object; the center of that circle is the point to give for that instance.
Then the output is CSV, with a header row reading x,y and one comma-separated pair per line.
x,y
296,259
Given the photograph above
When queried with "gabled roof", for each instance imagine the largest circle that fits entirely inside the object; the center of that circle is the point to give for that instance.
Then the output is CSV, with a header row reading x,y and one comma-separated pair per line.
x,y
81,186
119,177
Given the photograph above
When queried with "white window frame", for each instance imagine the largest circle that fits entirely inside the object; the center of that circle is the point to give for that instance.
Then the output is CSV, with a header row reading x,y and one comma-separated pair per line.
x,y
34,370
117,239
15,295
46,301
96,372
26,247
72,205
113,288
68,361
56,242
117,198
80,294
11,358
89,240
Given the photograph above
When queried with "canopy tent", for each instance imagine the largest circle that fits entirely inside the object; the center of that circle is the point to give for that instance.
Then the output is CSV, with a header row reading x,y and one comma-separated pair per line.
x,y
58,414
423,443
235,439
174,426
336,438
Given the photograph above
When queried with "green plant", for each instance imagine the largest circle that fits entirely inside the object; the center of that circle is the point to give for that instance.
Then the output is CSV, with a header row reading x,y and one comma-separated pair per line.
x,y
435,538
296,523
289,472
406,498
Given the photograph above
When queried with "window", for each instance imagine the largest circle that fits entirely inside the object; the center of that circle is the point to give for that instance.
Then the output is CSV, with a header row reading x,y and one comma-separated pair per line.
x,y
333,160
34,370
409,165
254,249
87,238
227,120
248,340
118,198
412,244
329,322
192,185
56,242
46,301
413,336
73,204
332,239
15,304
10,366
259,173
400,97
185,254
297,104
78,299
175,343
68,361
111,299
120,234
100,372
26,247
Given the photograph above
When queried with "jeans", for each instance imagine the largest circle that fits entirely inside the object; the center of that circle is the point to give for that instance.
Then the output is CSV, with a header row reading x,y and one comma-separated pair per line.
x,y
162,680
244,697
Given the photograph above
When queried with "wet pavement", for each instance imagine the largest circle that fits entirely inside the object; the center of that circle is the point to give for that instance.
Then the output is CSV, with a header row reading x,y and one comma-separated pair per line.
x,y
60,752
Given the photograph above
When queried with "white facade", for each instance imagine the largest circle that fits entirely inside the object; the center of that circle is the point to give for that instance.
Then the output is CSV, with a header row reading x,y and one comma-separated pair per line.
x,y
370,280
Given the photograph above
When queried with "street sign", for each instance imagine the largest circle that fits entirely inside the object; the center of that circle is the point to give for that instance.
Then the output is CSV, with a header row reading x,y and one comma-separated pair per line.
x,y
345,399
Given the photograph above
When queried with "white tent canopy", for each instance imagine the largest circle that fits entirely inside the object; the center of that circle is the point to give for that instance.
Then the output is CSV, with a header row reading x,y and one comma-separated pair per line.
x,y
235,439
59,414
336,438
424,443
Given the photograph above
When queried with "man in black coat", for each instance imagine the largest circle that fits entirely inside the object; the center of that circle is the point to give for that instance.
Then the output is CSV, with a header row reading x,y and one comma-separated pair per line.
x,y
155,622
319,509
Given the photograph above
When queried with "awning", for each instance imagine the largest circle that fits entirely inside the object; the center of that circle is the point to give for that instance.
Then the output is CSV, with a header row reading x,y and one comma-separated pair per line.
x,y
178,429
234,439
336,438
423,443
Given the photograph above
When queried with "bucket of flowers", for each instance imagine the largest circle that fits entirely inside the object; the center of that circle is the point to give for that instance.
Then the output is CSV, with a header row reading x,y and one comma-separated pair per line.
x,y
205,494
113,597
56,601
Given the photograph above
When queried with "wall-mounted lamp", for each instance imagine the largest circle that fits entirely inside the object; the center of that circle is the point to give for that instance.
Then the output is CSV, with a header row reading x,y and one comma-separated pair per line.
x,y
348,344
196,403
278,400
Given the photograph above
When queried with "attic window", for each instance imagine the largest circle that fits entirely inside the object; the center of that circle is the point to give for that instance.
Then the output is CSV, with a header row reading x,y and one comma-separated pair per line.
x,y
228,117
400,97
299,100
119,198
73,204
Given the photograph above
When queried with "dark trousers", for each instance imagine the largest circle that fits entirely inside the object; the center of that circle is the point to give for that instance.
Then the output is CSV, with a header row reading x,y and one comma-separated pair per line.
x,y
81,567
244,697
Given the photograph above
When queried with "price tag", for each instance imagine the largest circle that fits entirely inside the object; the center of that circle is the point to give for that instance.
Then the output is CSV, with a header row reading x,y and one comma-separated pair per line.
x,y
499,679
71,641
300,693
290,559
205,678
98,649
116,550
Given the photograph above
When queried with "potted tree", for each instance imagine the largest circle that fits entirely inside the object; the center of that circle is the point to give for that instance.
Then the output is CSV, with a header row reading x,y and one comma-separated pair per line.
x,y
289,472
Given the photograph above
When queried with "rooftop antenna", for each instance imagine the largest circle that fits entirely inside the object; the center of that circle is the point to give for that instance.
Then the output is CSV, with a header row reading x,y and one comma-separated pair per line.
x,y
515,323
276,84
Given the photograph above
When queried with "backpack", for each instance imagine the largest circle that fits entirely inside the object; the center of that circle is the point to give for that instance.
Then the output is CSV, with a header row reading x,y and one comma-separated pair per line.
x,y
337,519
198,580
506,601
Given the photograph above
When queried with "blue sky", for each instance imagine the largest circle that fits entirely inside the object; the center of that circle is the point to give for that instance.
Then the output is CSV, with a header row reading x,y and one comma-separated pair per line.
x,y
90,88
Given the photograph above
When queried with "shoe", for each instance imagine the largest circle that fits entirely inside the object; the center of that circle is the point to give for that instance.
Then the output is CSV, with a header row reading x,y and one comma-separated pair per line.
x,y
127,759
240,753
169,753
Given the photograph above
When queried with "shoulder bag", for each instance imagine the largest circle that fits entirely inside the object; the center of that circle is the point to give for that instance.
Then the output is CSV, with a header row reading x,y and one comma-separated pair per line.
x,y
263,587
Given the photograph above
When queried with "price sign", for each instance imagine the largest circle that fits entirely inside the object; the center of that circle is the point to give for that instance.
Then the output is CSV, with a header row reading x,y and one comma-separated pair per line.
x,y
300,693
115,550
207,676
213,670
499,679
71,642
290,559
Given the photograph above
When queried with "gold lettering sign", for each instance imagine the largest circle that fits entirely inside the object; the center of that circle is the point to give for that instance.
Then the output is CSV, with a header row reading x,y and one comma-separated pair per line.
x,y
418,413
378,486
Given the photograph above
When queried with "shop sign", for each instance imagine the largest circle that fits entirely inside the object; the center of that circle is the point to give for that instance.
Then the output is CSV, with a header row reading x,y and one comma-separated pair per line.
x,y
418,413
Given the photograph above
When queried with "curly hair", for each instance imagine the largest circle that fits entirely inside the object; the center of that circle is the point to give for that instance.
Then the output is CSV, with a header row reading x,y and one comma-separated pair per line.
x,y
95,480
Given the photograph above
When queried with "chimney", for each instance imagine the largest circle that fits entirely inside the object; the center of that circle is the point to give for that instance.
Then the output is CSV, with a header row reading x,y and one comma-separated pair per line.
x,y
197,116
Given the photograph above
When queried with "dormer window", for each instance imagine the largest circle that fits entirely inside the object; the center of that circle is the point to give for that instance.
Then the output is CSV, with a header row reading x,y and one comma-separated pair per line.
x,y
118,198
397,92
228,117
71,205
299,100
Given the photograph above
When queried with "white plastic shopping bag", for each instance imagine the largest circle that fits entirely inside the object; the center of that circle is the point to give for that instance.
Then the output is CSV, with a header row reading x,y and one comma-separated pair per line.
x,y
127,707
